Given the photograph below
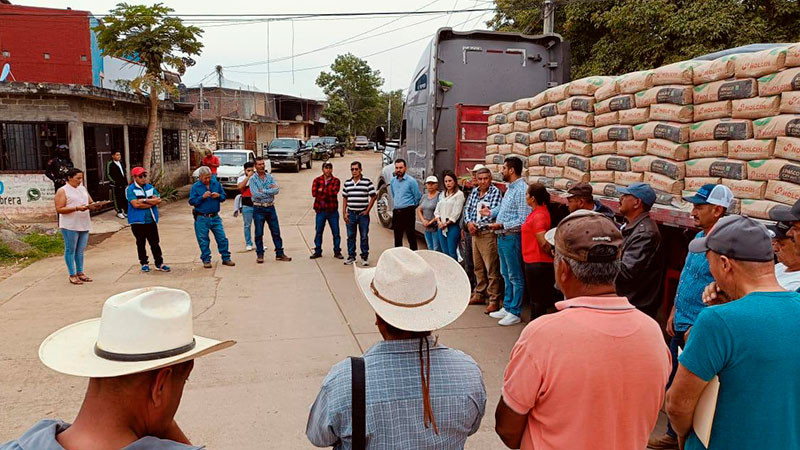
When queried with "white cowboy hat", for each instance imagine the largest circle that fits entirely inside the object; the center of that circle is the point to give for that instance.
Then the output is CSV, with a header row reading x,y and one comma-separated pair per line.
x,y
415,291
139,330
478,167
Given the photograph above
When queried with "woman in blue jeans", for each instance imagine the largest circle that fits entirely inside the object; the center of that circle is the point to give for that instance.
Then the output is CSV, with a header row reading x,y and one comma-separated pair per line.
x,y
73,204
448,211
425,213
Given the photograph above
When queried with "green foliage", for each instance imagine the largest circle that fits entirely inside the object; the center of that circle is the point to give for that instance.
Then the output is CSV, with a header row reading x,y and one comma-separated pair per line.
x,y
612,37
44,245
352,90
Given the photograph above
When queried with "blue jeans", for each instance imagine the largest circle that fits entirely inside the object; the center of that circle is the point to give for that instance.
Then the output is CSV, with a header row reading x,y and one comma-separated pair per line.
x,y
269,216
247,217
509,247
202,225
74,245
332,218
432,240
449,243
674,343
358,223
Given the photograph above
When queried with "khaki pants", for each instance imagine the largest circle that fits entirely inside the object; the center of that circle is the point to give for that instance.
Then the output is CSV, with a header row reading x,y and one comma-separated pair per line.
x,y
487,266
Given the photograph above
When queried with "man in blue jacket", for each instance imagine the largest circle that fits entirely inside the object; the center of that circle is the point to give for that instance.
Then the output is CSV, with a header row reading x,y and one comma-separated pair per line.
x,y
143,200
206,196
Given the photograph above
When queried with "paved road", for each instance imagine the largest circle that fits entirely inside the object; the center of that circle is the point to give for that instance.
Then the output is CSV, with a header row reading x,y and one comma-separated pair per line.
x,y
292,323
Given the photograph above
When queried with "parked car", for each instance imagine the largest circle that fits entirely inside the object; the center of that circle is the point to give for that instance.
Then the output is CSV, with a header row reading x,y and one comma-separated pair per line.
x,y
361,143
289,152
231,166
333,143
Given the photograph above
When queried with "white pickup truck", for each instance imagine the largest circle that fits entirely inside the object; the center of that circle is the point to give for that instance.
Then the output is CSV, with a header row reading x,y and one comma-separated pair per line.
x,y
231,166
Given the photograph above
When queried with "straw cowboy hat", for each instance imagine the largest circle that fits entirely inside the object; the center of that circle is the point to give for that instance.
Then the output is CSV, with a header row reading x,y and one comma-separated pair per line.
x,y
415,291
139,330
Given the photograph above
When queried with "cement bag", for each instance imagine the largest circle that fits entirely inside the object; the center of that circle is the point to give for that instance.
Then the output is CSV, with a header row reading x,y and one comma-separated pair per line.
x,y
761,63
497,176
627,178
610,162
604,148
536,148
737,129
557,93
676,95
725,90
708,149
579,162
508,108
519,149
562,107
506,128
631,148
749,189
750,149
756,107
578,148
663,183
543,111
497,119
495,159
775,83
633,82
695,183
525,174
782,192
544,160
554,172
522,104
605,176
612,133
497,108
517,138
538,124
790,102
492,129
716,167
496,139
581,103
562,159
522,158
574,174
545,135
583,134
519,116
611,118
793,55
634,116
718,69
504,149
641,164
672,113
787,148
580,118
588,85
758,209
774,169
607,90
557,121
537,100
772,127
493,167
669,168
554,147
713,110
536,171
675,132
676,73
563,184
605,189
492,149
617,103
522,127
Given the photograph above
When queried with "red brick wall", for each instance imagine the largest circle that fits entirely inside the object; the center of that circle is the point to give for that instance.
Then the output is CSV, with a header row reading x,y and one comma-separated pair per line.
x,y
28,33
293,130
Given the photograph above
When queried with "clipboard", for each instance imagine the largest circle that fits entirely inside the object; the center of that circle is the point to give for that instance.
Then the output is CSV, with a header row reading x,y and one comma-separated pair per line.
x,y
704,411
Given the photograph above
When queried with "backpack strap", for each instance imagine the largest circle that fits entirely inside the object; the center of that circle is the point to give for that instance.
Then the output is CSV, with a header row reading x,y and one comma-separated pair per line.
x,y
359,396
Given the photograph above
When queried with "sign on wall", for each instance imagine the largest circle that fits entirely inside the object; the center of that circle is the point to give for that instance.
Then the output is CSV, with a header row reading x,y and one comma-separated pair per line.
x,y
26,197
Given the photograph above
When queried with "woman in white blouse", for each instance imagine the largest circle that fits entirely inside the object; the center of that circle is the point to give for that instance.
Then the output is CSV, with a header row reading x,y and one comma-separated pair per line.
x,y
448,211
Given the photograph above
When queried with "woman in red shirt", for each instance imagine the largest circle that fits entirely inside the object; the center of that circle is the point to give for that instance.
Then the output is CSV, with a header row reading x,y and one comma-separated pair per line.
x,y
539,271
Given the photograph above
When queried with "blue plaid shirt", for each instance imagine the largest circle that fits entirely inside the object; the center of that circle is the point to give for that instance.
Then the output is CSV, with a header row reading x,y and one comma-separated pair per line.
x,y
695,276
394,400
491,199
260,190
514,207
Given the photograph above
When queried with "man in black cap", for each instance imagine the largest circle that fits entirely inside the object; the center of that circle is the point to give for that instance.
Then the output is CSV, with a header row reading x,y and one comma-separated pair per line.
x,y
58,167
581,196
749,343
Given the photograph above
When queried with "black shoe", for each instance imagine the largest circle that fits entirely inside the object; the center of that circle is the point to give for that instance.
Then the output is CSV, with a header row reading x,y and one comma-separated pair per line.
x,y
338,256
207,264
315,256
260,259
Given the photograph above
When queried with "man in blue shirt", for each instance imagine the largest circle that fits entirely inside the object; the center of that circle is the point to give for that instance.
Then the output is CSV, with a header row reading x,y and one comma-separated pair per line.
x,y
263,189
750,343
405,197
710,204
143,200
206,196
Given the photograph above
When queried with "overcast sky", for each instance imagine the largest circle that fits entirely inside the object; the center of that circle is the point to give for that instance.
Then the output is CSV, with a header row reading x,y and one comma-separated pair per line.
x,y
238,44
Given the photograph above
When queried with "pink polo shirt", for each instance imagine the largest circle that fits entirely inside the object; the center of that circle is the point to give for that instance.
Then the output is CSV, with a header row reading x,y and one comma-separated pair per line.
x,y
591,376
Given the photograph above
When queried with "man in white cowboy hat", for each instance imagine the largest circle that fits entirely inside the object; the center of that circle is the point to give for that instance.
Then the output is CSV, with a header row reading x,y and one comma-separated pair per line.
x,y
420,394
137,357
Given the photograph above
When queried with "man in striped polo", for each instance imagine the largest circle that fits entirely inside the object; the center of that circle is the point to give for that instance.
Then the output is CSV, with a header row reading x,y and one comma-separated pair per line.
x,y
358,196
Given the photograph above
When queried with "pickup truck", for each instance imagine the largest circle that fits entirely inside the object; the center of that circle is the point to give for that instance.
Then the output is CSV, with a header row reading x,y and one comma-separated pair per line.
x,y
289,152
231,166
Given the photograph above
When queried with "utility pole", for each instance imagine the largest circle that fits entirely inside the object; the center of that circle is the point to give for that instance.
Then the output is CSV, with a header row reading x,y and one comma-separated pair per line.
x,y
202,103
220,130
389,120
549,17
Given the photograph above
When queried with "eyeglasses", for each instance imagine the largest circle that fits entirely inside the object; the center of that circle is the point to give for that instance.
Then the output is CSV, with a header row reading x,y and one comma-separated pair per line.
x,y
353,169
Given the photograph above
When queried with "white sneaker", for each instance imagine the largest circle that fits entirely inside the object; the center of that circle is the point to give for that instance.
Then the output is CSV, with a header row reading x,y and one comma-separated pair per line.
x,y
364,263
509,319
498,314
120,215
249,248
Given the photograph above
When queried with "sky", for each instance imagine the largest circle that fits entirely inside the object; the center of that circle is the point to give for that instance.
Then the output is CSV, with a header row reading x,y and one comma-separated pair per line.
x,y
239,44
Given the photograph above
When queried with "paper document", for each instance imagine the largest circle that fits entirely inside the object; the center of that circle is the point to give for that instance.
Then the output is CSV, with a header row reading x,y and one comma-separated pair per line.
x,y
704,411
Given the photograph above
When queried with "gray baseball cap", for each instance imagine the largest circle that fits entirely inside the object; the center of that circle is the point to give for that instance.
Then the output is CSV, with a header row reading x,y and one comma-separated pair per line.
x,y
737,237
786,213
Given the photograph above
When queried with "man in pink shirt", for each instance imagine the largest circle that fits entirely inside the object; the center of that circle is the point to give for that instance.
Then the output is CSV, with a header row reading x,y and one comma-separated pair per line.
x,y
592,375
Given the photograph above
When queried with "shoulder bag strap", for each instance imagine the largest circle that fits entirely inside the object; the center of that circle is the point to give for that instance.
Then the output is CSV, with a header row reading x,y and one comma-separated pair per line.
x,y
359,395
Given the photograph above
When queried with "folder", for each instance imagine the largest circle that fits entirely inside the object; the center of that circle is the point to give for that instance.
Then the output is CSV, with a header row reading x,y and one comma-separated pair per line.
x,y
704,411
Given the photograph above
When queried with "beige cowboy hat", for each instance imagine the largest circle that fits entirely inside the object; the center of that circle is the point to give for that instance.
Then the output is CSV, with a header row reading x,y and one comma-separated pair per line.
x,y
139,330
415,291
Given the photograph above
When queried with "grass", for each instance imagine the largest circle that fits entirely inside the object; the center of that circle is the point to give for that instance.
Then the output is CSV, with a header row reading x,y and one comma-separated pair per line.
x,y
44,245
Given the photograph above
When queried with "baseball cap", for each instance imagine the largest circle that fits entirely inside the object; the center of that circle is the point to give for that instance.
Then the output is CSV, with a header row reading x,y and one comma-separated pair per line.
x,y
136,171
712,194
580,190
477,168
737,237
786,213
432,179
642,191
779,230
588,238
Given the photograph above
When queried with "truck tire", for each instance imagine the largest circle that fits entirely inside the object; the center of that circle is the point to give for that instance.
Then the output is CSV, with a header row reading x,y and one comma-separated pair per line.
x,y
297,166
382,207
308,164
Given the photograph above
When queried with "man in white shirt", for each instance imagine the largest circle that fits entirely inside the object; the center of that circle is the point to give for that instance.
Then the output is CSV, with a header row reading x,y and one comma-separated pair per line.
x,y
787,270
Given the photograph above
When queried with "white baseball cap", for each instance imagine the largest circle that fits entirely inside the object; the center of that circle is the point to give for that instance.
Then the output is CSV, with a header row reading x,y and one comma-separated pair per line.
x,y
432,179
712,194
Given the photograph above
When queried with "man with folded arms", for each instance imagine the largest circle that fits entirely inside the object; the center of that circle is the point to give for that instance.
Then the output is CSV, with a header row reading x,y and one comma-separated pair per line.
x,y
263,189
592,375
137,356
206,195
422,395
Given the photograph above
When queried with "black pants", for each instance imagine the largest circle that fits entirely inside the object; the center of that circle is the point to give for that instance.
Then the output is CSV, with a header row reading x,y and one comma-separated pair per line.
x,y
120,201
540,281
403,223
147,232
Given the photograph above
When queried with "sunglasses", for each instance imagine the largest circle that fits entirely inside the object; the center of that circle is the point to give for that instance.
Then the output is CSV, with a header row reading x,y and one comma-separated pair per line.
x,y
144,175
353,169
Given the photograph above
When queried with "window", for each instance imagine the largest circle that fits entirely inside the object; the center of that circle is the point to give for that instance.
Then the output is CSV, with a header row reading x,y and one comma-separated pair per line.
x,y
205,104
422,82
47,56
29,146
171,144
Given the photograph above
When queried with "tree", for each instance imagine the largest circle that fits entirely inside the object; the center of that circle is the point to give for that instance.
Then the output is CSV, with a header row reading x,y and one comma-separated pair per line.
x,y
159,42
379,114
612,37
352,91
